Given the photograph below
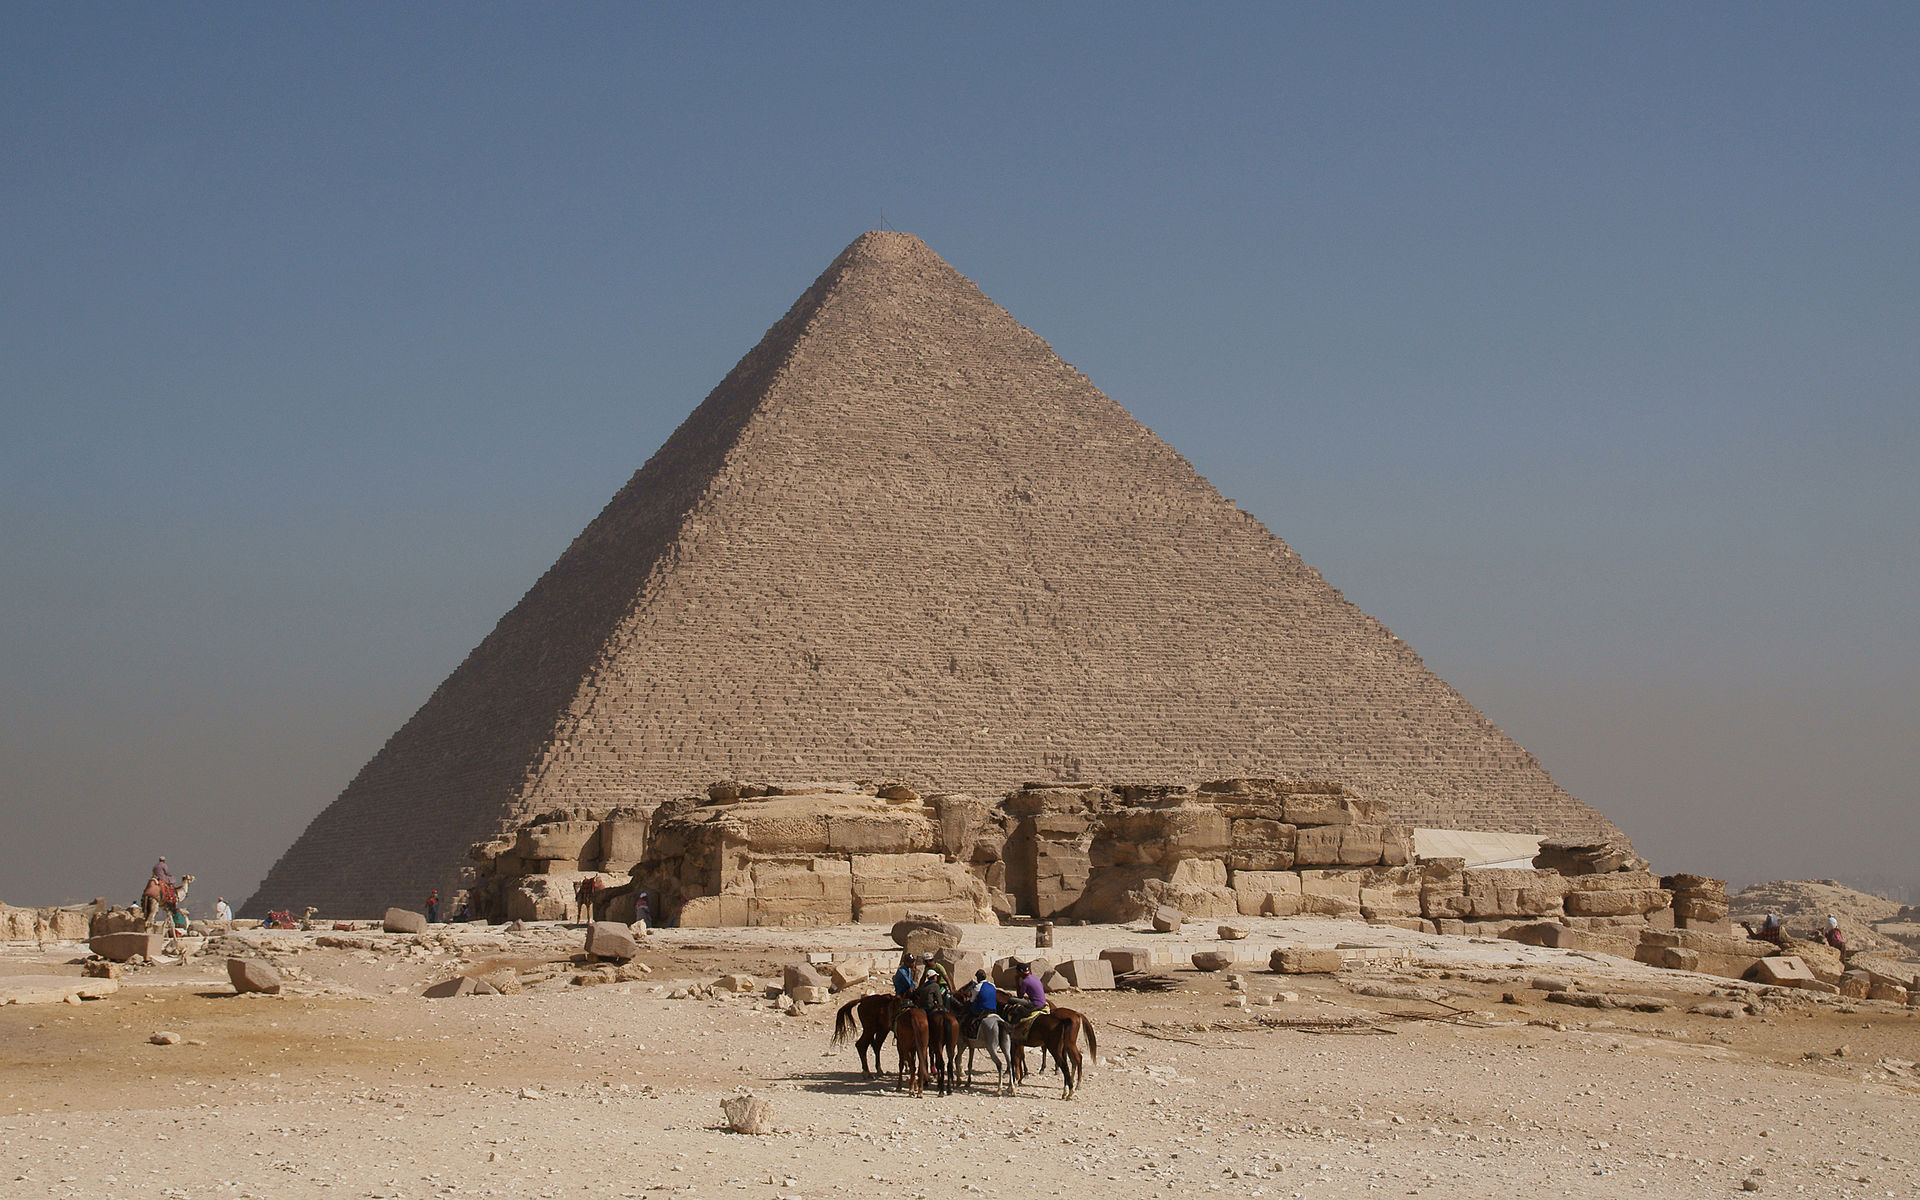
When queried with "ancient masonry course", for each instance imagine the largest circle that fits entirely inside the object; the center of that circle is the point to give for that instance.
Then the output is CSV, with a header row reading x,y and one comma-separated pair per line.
x,y
903,541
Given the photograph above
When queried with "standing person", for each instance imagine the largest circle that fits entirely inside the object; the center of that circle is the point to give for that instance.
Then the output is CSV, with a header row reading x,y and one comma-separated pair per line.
x,y
642,911
222,911
433,907
1834,937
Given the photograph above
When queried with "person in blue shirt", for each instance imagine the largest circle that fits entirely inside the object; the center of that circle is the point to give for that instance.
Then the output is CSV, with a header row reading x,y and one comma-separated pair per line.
x,y
981,998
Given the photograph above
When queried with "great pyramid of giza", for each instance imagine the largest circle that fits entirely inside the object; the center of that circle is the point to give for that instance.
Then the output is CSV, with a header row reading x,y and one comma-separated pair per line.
x,y
902,540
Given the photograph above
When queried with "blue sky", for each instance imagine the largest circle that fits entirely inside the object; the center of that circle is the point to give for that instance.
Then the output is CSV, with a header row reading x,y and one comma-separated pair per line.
x,y
1577,343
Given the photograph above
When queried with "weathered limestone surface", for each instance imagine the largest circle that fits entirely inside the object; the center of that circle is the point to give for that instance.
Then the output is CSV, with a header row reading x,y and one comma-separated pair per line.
x,y
812,854
752,602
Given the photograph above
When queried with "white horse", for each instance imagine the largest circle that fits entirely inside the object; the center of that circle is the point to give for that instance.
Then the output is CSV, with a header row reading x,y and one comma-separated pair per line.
x,y
993,1036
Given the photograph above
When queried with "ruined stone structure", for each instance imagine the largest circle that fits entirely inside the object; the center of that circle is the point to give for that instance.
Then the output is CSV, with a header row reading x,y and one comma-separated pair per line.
x,y
903,540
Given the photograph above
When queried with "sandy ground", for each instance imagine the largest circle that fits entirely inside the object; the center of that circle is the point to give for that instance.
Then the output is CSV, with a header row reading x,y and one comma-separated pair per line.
x,y
352,1086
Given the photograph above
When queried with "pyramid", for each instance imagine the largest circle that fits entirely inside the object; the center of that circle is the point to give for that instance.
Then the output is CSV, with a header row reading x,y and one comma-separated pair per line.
x,y
902,540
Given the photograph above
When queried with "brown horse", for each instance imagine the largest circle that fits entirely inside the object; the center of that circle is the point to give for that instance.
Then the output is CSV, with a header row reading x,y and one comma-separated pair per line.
x,y
1056,1033
874,1015
910,1038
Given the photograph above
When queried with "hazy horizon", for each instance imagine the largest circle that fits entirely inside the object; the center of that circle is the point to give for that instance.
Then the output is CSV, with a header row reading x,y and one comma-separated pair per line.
x,y
1579,347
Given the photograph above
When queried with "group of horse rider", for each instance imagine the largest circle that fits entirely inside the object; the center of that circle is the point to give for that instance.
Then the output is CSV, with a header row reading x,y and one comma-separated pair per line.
x,y
923,980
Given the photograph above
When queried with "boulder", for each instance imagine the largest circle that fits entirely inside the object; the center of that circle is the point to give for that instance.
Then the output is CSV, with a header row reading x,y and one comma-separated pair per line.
x,y
1167,919
799,975
920,934
960,964
1299,960
1674,958
459,985
1232,933
1783,970
748,1114
843,975
1212,960
739,985
252,975
1855,985
1126,960
1892,993
120,947
611,940
400,920
1087,974
809,995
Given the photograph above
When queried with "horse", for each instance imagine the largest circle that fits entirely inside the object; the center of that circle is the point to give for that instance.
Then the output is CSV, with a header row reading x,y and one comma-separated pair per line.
x,y
943,1030
993,1036
1055,1032
910,1038
584,894
874,1015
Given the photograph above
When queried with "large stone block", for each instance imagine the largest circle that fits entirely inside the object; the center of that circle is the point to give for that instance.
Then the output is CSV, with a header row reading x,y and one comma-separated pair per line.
x,y
799,975
1261,845
708,912
1301,960
123,946
609,939
252,975
1347,845
1492,892
812,878
1128,959
558,841
400,920
1087,974
917,934
1616,903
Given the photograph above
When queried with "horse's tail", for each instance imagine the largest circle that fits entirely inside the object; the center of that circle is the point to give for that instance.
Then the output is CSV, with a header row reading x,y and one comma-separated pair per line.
x,y
1093,1046
844,1021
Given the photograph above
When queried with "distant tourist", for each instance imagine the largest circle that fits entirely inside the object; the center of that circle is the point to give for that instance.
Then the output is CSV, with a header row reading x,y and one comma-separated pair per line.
x,y
433,907
1835,938
642,911
222,911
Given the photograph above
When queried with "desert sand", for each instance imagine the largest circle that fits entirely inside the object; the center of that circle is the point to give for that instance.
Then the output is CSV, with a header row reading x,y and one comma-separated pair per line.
x,y
1464,1081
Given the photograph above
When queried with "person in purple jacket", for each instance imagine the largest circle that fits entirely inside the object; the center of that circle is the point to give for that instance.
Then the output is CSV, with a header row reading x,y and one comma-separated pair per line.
x,y
1029,996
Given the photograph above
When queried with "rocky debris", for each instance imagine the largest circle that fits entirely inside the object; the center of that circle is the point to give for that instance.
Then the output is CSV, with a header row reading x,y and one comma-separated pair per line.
x,y
748,1114
1726,1010
1299,960
165,1037
459,985
1651,1004
1699,902
1392,990
739,985
1167,919
1574,856
400,920
807,994
252,975
504,981
920,934
101,968
1550,983
1212,960
53,989
124,947
1128,960
611,940
1232,933
72,923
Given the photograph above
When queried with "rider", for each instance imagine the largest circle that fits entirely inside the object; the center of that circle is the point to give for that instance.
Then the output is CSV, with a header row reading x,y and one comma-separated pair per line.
x,y
1031,997
982,998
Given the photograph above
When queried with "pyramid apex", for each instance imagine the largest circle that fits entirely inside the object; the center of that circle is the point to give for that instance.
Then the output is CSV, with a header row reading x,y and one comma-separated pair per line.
x,y
886,246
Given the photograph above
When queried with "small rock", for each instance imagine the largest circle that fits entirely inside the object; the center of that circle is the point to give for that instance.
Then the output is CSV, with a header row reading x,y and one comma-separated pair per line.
x,y
1550,983
748,1114
1167,919
1232,933
166,1037
1212,960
